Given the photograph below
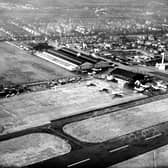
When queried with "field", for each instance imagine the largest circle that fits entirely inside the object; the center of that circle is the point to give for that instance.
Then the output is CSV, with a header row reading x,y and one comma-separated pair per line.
x,y
38,108
156,157
31,148
109,126
2,34
16,66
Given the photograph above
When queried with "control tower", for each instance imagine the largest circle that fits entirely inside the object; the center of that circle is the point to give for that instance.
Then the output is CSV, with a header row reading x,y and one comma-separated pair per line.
x,y
161,66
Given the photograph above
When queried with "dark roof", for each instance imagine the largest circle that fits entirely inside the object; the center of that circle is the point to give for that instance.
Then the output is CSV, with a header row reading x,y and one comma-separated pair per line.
x,y
65,57
85,57
125,74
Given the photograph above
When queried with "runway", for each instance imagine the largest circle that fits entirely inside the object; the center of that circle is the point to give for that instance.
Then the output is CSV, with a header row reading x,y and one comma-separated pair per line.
x,y
88,155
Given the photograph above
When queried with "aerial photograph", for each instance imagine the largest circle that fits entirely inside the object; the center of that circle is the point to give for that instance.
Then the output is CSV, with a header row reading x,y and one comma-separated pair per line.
x,y
84,84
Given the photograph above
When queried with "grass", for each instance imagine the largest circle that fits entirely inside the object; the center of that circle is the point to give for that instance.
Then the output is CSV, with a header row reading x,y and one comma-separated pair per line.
x,y
63,101
16,66
31,148
109,126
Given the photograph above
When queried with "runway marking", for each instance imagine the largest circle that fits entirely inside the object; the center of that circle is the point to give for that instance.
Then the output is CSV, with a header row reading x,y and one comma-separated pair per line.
x,y
120,148
152,137
77,163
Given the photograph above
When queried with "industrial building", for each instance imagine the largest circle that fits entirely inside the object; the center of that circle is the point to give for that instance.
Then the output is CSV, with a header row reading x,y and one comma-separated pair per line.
x,y
80,55
57,60
70,59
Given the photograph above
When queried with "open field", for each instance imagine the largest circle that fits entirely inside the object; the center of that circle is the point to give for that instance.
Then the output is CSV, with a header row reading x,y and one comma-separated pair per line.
x,y
34,108
156,158
109,126
31,148
2,34
16,66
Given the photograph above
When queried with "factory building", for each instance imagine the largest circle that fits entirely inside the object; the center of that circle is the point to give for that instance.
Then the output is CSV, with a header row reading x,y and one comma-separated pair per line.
x,y
71,59
75,59
57,60
80,55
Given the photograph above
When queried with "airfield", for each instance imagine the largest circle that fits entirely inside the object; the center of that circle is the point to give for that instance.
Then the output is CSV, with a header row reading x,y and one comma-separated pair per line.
x,y
37,108
110,126
91,116
18,66
32,148
157,158
86,123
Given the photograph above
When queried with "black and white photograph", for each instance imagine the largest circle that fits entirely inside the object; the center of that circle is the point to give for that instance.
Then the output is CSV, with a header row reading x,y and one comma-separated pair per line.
x,y
83,83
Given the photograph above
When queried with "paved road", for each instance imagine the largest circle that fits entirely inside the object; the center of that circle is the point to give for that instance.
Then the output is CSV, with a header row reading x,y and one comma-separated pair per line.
x,y
103,154
113,151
